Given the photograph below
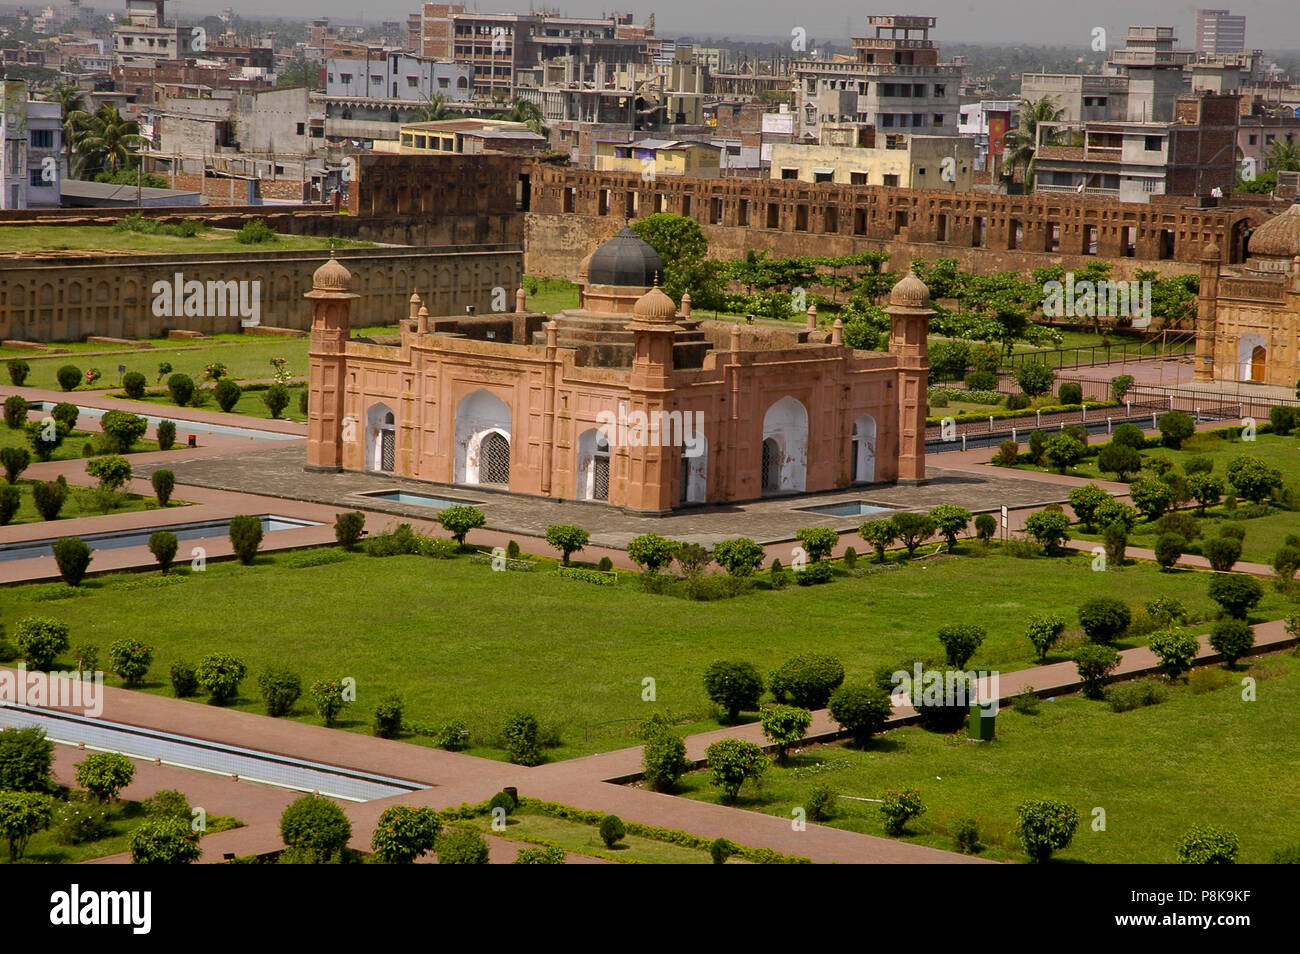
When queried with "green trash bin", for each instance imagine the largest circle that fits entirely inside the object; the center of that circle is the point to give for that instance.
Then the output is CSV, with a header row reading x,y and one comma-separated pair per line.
x,y
982,718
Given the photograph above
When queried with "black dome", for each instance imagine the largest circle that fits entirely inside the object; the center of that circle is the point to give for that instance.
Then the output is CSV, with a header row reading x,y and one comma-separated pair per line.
x,y
625,261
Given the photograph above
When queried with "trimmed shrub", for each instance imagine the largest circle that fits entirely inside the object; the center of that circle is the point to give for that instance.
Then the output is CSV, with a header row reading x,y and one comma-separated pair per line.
x,y
73,557
1043,630
850,558
1035,378
1205,488
1095,664
1253,478
1208,845
1104,620
276,398
16,407
404,833
960,643
1128,434
68,376
612,830
880,533
45,437
25,759
460,520
1232,639
317,828
1222,552
732,762
784,726
981,381
1118,459
1018,402
227,393
1063,451
462,848
1045,827
663,760
78,821
913,529
900,807
807,680
985,526
245,537
280,689
388,716
568,538
1134,695
48,497
104,774
653,553
1176,427
166,433
329,699
11,499
733,687
1236,593
1049,530
818,542
349,528
130,659
112,471
164,841
163,545
520,733
181,389
720,849
1283,418
122,430
18,371
1168,549
219,675
15,460
1176,649
184,679
820,803
951,521
862,709
1070,393
1084,501
1037,444
1120,385
134,383
1008,454
164,482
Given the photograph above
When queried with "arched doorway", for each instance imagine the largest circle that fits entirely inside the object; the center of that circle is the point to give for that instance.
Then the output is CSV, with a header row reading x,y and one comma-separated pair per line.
x,y
483,435
593,465
381,438
1252,358
864,450
695,470
785,447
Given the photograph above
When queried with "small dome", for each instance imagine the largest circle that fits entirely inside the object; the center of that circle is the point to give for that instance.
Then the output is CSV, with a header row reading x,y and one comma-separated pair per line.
x,y
1279,237
655,306
332,276
910,293
625,261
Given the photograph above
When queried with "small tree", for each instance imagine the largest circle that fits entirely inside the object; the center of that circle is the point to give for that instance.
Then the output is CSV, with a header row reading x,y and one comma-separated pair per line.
x,y
1084,501
163,545
732,762
1208,845
15,460
1169,549
1043,630
25,759
862,709
316,828
228,393
913,529
105,774
1095,664
807,680
960,643
280,689
245,537
985,526
1118,459
164,482
130,659
460,520
11,499
1035,378
818,542
880,533
612,830
740,556
951,521
122,430
15,411
18,371
1253,478
133,383
1151,496
784,726
276,398
112,472
733,687
1176,427
1063,451
1045,827
1049,529
388,716
462,848
40,640
567,538
45,436
1104,620
404,833
663,759
23,814
899,807
181,389
349,528
1236,593
1176,649
68,376
1222,552
166,433
1232,639
1206,489
520,734
653,553
73,557
219,675
1285,564
1120,385
164,841
329,697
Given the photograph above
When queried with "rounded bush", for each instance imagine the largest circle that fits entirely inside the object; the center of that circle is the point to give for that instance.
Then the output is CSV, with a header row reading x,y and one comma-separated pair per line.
x,y
1070,393
1232,639
15,460
181,389
612,830
317,827
1208,845
73,556
134,383
807,680
981,381
985,526
862,709
961,642
663,760
164,482
1104,620
219,675
69,376
1176,650
1095,663
280,689
388,716
163,545
1236,593
1128,435
104,774
462,848
1169,548
227,393
48,497
122,430
166,434
1018,402
404,833
521,733
40,640
1176,427
1045,827
245,537
349,528
130,659
164,841
18,371
16,407
184,678
276,398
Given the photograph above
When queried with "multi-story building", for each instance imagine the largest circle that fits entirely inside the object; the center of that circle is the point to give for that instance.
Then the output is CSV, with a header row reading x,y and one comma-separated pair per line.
x,y
397,77
895,83
987,123
464,137
661,157
31,149
143,36
1218,31
852,154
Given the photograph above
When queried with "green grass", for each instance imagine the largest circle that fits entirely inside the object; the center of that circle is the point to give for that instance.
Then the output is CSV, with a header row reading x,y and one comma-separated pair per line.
x,y
250,403
82,502
73,445
105,239
528,825
1200,757
462,642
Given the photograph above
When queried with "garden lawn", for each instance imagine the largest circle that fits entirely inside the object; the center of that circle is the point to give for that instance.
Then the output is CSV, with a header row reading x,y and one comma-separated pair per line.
x,y
249,358
47,239
250,404
81,502
1200,757
73,445
459,641
529,825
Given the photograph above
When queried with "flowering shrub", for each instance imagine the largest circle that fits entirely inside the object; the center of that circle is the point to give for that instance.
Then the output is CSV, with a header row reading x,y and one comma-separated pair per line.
x,y
130,659
404,833
93,375
215,371
328,696
283,375
899,808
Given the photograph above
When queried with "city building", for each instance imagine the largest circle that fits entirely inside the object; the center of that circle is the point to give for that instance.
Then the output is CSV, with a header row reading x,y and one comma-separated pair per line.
x,y
395,77
661,157
31,149
987,123
850,154
464,137
1218,31
142,36
895,82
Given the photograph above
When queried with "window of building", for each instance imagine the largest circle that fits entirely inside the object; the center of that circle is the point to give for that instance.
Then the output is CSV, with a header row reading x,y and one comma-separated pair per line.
x,y
789,173
42,138
443,82
823,175
302,129
938,119
857,178
892,180
345,77
1152,143
412,82
939,89
34,178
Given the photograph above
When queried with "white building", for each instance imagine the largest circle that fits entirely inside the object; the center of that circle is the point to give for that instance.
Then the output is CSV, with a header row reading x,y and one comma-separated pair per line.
x,y
31,157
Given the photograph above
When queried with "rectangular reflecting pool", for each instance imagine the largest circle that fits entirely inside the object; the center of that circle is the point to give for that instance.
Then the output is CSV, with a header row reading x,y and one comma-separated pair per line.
x,y
414,500
133,538
851,508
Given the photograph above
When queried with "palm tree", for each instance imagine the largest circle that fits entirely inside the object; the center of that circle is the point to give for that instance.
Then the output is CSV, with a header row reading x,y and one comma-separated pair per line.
x,y
528,113
71,99
1283,157
103,140
1023,141
432,110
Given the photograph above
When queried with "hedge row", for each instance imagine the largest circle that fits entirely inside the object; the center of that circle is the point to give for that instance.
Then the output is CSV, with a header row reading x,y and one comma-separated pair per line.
x,y
1231,432
971,417
585,575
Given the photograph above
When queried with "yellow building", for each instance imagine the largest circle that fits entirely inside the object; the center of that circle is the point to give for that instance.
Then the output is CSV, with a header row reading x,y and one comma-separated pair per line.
x,y
660,157
463,137
901,160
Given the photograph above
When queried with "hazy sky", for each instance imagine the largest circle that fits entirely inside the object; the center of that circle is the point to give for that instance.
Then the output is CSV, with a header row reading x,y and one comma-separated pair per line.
x,y
1271,24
